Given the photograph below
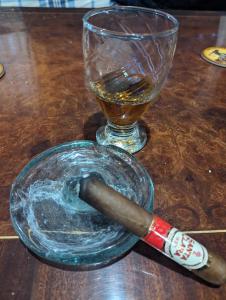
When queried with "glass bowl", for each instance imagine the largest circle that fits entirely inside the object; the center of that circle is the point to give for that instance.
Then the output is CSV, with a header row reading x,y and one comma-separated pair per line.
x,y
59,227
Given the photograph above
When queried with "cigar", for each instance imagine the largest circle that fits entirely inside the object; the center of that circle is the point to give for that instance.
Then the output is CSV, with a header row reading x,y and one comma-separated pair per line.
x,y
153,230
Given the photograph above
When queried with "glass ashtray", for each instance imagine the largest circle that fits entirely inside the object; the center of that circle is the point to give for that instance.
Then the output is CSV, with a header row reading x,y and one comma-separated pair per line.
x,y
54,223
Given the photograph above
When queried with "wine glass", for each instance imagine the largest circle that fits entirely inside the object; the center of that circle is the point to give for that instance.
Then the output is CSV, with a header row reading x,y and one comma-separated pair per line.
x,y
128,52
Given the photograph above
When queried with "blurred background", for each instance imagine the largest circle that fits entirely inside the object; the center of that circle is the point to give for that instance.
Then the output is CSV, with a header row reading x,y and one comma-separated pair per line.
x,y
158,4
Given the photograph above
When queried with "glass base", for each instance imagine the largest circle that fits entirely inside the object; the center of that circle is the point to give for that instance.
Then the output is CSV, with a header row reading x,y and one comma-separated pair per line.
x,y
130,138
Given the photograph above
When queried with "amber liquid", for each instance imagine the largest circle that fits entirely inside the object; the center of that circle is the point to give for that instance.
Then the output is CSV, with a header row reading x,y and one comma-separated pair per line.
x,y
123,98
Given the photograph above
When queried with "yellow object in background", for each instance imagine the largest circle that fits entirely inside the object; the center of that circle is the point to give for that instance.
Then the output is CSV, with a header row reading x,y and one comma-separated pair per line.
x,y
2,71
215,55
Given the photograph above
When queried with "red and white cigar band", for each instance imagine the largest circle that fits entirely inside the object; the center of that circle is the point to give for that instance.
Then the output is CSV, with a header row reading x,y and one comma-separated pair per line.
x,y
157,234
177,245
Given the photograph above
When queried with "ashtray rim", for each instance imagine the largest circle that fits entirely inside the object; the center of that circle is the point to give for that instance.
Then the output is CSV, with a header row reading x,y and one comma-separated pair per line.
x,y
96,258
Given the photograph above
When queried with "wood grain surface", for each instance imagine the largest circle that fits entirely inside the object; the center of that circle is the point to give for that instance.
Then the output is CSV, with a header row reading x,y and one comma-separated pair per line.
x,y
44,102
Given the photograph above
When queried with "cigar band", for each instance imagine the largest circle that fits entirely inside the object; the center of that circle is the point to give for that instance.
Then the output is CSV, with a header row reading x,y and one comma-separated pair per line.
x,y
158,231
178,246
185,250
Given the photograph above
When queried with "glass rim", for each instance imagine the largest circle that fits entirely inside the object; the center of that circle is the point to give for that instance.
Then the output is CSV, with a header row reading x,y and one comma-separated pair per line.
x,y
123,35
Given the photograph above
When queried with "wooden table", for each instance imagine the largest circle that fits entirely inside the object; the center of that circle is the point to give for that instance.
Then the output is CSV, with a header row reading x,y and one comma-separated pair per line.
x,y
43,102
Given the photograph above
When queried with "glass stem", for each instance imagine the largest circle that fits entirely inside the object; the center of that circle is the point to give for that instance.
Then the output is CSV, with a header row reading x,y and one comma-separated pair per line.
x,y
119,130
